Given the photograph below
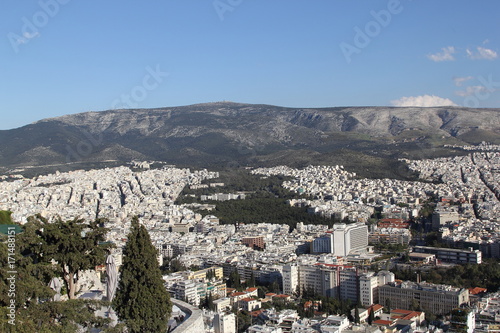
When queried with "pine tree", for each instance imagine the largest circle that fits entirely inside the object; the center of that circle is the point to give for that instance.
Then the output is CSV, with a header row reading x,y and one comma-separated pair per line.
x,y
77,246
142,300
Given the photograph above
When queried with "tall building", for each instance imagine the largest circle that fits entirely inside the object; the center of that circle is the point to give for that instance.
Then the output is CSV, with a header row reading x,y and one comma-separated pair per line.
x,y
225,323
329,280
320,279
368,286
344,239
434,298
290,279
323,244
348,285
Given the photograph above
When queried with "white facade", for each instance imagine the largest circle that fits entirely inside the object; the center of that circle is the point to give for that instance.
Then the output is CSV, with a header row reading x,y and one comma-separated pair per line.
x,y
290,279
225,323
368,286
343,239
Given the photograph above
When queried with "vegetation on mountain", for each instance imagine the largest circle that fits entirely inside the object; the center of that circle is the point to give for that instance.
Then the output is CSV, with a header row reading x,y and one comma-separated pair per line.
x,y
367,140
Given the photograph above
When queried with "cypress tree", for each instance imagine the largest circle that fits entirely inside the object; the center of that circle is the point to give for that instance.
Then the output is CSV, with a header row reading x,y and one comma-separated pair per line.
x,y
142,300
356,315
371,316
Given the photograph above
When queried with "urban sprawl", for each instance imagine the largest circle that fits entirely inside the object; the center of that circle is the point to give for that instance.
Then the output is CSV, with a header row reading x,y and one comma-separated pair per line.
x,y
333,261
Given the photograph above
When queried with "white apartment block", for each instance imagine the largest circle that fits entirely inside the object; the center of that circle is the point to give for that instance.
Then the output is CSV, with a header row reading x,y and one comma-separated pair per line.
x,y
225,323
290,279
368,286
329,280
343,239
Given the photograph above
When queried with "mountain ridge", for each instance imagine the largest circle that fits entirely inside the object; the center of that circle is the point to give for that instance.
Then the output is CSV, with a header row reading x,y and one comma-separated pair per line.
x,y
248,134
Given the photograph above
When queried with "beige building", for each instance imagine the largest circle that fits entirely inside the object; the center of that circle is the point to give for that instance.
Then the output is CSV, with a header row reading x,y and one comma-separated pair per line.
x,y
202,274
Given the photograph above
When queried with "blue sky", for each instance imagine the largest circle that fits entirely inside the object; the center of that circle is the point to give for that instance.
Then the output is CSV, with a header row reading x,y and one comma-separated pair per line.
x,y
68,56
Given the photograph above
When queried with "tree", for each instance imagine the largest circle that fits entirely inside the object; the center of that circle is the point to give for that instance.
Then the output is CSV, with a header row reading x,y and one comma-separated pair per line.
x,y
356,315
35,310
141,301
234,280
5,217
251,282
74,245
371,316
388,305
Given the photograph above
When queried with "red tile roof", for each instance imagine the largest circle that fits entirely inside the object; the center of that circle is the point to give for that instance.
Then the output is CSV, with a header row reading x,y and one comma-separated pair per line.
x,y
477,290
238,294
383,322
248,299
376,307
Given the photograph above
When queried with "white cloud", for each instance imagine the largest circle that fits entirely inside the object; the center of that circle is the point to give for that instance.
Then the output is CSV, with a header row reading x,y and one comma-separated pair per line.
x,y
459,80
482,53
425,101
446,55
471,90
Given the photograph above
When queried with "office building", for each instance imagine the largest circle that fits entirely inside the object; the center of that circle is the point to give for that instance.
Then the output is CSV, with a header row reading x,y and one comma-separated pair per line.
x,y
434,298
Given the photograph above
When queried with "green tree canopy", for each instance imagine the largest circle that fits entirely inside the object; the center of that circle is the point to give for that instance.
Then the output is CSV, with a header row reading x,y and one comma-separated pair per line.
x,y
34,309
142,301
74,245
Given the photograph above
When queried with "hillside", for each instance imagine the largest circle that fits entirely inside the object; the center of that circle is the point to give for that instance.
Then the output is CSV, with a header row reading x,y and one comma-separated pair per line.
x,y
230,134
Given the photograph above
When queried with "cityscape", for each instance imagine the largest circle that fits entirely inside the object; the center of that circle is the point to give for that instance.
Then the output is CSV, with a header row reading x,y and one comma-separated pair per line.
x,y
234,166
356,260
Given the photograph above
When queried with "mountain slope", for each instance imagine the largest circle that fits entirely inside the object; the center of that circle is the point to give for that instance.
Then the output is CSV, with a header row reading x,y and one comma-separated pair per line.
x,y
222,133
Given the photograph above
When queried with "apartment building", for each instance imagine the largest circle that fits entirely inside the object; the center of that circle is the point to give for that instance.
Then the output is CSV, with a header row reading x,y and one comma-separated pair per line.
x,y
290,279
368,286
329,280
256,243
